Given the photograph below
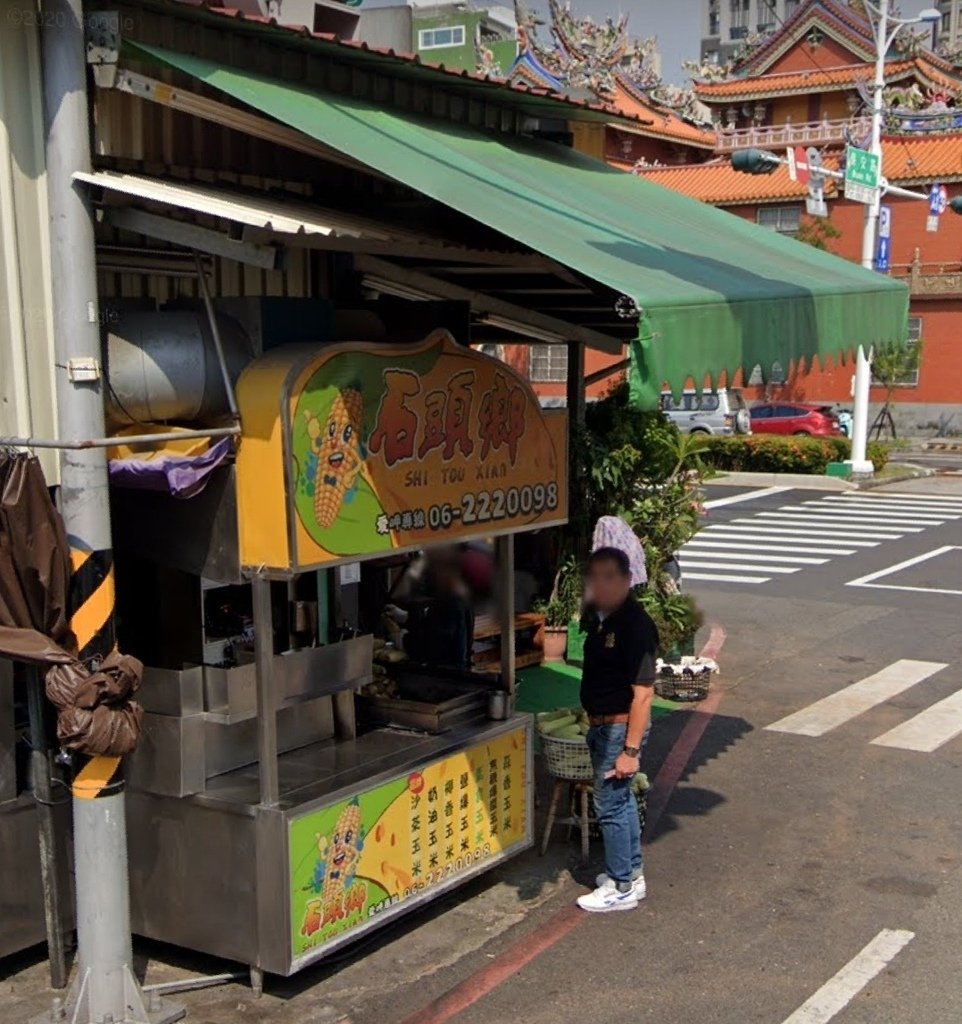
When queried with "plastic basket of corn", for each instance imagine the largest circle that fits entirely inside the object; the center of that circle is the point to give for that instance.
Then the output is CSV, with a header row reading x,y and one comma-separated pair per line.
x,y
563,743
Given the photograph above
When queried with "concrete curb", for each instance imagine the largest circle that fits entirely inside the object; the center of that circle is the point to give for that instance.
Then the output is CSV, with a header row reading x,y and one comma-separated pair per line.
x,y
806,482
797,481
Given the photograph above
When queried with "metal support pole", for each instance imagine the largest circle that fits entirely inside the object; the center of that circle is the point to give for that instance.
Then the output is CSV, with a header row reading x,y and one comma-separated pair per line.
x,y
105,988
51,852
863,367
266,704
505,555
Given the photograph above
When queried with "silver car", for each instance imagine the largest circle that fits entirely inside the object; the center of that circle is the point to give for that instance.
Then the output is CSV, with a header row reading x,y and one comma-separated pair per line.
x,y
712,412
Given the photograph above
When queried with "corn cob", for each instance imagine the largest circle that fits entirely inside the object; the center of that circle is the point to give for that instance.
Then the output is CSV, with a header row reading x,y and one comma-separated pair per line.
x,y
349,822
333,482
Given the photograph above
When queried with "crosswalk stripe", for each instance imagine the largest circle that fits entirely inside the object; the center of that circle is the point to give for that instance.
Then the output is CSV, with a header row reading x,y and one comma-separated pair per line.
x,y
815,529
720,578
929,729
830,520
914,506
791,559
737,499
925,499
864,515
779,537
836,709
764,544
824,523
800,530
700,563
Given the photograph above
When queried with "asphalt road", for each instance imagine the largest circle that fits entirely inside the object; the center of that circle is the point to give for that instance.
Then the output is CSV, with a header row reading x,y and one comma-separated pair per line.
x,y
781,856
798,875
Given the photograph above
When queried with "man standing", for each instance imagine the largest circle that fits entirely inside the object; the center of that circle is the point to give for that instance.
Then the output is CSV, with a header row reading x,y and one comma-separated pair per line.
x,y
617,685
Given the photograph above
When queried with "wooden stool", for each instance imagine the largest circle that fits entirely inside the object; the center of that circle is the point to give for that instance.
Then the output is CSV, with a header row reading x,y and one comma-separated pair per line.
x,y
580,795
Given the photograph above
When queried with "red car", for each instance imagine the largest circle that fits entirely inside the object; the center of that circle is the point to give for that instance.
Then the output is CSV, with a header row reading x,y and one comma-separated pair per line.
x,y
795,418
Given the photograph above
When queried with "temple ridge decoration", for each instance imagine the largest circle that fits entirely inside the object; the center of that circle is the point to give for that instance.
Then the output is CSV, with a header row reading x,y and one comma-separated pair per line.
x,y
593,58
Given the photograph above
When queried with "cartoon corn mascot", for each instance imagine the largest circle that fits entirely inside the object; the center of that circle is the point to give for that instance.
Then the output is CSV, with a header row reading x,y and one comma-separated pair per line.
x,y
337,455
334,871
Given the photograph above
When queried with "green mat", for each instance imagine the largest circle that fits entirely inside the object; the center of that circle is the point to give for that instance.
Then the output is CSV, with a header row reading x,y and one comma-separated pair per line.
x,y
548,687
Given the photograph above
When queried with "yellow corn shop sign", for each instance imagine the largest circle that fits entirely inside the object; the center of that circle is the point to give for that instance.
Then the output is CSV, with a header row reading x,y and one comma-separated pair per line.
x,y
360,860
355,450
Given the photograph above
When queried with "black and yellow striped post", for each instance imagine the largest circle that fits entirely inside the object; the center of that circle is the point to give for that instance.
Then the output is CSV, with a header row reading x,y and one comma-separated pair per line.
x,y
105,987
92,601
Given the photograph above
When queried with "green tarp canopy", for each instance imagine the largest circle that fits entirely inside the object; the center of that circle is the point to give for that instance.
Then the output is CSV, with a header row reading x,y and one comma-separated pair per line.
x,y
716,292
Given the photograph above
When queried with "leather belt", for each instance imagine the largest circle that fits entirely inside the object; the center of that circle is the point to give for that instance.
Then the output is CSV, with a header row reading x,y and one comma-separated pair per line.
x,y
608,719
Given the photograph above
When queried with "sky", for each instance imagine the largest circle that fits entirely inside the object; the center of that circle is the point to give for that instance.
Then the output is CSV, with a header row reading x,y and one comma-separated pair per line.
x,y
676,23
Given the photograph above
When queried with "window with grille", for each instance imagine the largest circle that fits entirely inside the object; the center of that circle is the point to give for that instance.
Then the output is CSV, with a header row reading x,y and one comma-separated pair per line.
x,y
767,15
786,220
739,18
436,38
549,363
791,6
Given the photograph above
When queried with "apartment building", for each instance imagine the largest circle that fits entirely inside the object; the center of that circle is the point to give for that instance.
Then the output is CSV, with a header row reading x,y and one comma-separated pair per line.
x,y
726,24
950,32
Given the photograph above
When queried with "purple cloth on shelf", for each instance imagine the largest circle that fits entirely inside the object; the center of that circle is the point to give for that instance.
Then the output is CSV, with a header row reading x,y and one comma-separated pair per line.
x,y
182,476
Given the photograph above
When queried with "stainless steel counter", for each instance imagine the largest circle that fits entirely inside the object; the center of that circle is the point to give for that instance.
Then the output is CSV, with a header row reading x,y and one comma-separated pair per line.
x,y
215,871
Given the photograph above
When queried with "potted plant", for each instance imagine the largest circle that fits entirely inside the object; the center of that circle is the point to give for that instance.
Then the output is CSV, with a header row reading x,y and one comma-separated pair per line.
x,y
556,619
677,619
561,609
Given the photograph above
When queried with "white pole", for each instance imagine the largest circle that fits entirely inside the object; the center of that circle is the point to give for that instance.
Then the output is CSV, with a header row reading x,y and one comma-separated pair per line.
x,y
863,367
105,988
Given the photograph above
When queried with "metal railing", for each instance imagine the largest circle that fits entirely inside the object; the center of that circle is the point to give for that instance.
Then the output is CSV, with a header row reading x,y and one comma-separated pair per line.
x,y
776,136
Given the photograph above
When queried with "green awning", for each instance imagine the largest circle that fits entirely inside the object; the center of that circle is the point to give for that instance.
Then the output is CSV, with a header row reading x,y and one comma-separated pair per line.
x,y
716,292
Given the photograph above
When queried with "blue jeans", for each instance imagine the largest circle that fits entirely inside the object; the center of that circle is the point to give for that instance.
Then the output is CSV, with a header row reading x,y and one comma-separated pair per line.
x,y
615,805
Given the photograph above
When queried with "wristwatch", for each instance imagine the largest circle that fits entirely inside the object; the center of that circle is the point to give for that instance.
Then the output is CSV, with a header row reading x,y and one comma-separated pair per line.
x,y
632,751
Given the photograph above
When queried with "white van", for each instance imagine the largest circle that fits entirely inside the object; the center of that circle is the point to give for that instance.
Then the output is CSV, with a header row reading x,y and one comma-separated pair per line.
x,y
712,412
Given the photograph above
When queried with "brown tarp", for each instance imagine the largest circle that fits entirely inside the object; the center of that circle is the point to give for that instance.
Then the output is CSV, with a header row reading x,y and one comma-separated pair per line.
x,y
95,714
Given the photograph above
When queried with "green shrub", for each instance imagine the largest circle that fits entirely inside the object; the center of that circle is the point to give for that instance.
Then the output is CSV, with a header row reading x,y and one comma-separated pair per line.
x,y
764,453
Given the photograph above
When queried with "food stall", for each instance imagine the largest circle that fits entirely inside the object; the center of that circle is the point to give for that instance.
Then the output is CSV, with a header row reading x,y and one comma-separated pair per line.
x,y
269,822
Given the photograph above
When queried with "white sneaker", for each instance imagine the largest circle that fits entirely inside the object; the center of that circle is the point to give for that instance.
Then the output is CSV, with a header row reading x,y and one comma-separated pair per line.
x,y
607,898
638,886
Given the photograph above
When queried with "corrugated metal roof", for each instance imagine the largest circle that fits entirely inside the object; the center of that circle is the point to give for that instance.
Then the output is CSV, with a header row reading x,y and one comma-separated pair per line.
x,y
409,62
281,215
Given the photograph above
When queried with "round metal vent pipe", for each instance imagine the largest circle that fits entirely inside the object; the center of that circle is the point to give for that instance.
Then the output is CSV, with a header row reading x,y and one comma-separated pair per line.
x,y
163,367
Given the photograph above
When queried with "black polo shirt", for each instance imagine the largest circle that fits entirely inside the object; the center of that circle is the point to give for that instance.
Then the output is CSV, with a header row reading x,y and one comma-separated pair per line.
x,y
620,652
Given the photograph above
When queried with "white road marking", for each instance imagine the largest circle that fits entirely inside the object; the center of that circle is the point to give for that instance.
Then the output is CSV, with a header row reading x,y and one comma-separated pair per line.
x,y
837,521
764,544
802,530
699,563
936,499
793,559
929,729
858,515
869,581
736,499
718,578
840,990
836,709
774,533
893,504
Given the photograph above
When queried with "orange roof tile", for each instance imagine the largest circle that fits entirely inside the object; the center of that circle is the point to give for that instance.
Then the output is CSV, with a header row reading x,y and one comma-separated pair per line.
x,y
659,122
798,81
904,160
719,183
923,158
748,87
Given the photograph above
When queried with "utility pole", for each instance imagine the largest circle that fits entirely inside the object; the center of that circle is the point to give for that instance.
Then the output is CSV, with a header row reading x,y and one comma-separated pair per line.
x,y
885,28
105,988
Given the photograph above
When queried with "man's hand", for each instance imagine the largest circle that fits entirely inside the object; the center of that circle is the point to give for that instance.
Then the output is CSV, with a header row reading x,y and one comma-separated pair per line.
x,y
626,767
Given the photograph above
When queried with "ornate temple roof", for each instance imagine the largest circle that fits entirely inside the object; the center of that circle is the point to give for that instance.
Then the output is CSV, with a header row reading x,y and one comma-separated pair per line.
x,y
907,161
